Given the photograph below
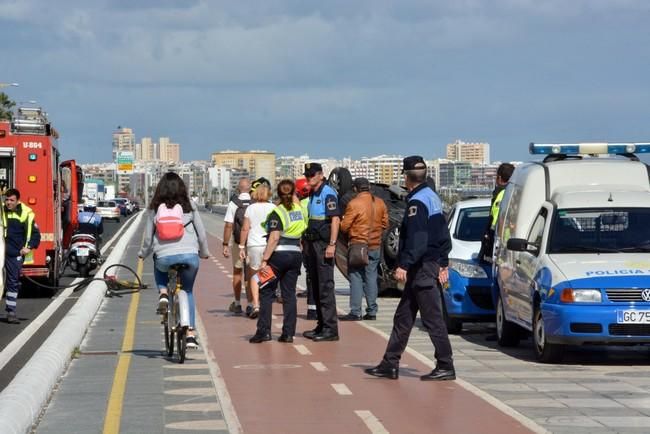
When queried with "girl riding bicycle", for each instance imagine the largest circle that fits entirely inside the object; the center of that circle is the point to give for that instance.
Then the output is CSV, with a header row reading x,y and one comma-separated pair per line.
x,y
187,249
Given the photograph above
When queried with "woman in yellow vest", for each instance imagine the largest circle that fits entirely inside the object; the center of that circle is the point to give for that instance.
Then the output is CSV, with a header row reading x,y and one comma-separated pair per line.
x,y
285,225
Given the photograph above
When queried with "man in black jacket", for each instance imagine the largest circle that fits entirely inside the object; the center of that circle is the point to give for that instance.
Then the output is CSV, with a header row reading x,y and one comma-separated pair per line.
x,y
424,247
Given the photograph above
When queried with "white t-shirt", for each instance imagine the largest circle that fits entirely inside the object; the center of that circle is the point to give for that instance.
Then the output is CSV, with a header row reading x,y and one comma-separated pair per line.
x,y
232,208
257,213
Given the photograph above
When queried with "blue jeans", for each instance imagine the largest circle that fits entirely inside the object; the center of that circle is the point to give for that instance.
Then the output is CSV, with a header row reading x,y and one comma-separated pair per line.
x,y
188,276
364,281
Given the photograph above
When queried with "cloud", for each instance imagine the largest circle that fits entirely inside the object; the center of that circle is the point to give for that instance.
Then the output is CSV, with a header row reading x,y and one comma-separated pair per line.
x,y
374,73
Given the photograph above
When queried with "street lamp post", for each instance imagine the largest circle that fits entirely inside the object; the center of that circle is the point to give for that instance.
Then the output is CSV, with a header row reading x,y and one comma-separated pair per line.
x,y
9,85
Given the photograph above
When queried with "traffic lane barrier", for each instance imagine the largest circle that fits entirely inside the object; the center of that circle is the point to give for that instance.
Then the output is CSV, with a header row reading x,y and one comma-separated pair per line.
x,y
22,401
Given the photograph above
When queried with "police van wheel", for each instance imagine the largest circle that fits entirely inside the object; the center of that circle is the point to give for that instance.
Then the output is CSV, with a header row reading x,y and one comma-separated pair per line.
x,y
544,351
507,333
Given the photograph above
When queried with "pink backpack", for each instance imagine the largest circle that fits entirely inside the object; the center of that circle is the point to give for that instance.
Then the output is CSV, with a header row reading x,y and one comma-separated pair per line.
x,y
169,222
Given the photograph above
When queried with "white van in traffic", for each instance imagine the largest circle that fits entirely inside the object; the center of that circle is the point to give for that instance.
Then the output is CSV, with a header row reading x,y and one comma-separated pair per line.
x,y
572,249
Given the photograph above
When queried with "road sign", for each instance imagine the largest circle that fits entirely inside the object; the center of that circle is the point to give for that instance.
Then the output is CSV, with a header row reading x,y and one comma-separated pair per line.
x,y
125,162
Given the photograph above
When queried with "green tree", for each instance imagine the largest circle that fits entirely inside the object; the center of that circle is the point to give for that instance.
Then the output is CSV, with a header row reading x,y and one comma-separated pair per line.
x,y
6,106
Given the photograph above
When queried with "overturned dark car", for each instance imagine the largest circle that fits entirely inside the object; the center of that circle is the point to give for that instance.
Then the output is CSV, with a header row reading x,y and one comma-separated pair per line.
x,y
394,197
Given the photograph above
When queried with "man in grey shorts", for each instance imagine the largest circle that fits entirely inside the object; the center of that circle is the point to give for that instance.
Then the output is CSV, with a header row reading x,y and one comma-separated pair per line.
x,y
236,207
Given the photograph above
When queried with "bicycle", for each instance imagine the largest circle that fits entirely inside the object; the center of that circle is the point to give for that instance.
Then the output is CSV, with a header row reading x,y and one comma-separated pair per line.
x,y
176,318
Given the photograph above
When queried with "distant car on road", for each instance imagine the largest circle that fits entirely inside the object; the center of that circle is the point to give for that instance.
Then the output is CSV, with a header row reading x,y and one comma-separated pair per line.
x,y
469,294
122,203
109,209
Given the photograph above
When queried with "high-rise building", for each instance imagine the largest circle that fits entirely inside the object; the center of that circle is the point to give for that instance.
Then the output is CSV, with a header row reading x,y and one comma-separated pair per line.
x,y
476,153
123,141
147,149
173,153
383,169
163,143
256,163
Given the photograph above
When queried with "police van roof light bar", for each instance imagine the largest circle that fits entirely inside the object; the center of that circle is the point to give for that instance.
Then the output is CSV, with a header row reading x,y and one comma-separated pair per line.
x,y
588,148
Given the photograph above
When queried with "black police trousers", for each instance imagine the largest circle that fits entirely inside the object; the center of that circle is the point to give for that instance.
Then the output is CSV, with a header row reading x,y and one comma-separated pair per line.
x,y
310,290
420,293
286,266
321,272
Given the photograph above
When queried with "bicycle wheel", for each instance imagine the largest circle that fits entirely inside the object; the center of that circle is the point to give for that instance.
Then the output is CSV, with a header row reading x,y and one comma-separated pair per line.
x,y
181,337
170,325
167,339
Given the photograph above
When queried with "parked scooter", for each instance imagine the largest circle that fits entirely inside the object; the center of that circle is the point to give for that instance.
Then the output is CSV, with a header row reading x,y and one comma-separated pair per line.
x,y
83,255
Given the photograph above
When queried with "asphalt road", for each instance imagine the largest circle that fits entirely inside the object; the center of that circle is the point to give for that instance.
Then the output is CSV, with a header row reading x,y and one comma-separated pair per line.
x,y
32,301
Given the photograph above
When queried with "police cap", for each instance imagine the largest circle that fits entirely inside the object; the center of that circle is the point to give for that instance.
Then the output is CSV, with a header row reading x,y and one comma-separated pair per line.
x,y
414,162
312,168
362,184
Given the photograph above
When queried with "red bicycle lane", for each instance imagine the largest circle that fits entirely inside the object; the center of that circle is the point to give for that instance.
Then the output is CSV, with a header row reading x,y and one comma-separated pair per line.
x,y
320,387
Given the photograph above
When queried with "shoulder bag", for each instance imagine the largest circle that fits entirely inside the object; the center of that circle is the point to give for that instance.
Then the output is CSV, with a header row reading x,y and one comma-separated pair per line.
x,y
358,252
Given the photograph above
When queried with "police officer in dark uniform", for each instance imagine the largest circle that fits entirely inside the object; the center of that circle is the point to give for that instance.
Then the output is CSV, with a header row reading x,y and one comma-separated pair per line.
x,y
423,248
322,231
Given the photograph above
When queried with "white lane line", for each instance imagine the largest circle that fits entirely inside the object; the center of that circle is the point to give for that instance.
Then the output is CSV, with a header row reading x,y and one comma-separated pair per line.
x,y
19,341
319,366
341,389
371,422
303,350
274,316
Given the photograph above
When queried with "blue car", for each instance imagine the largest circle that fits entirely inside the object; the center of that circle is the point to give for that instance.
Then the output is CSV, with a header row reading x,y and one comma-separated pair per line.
x,y
468,297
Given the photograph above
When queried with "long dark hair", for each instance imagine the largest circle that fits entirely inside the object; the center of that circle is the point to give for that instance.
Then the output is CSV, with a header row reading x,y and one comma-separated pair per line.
x,y
171,190
286,189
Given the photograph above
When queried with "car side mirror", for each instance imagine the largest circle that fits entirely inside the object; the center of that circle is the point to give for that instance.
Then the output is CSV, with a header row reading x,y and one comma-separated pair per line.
x,y
521,245
517,244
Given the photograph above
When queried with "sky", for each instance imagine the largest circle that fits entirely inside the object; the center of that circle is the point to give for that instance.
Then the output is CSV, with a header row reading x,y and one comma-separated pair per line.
x,y
332,78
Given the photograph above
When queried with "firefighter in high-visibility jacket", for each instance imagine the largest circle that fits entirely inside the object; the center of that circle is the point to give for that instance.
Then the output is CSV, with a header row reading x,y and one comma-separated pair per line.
x,y
21,237
285,225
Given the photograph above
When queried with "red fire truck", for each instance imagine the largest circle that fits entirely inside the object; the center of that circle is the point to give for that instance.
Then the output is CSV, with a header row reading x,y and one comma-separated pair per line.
x,y
29,161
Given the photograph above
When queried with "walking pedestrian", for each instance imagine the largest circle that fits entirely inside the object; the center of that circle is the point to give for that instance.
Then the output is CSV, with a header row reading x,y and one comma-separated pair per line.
x,y
186,247
285,224
365,220
21,238
253,238
234,221
322,232
424,246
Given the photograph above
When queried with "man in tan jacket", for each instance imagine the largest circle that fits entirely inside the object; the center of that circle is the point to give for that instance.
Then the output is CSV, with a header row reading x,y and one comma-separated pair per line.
x,y
365,220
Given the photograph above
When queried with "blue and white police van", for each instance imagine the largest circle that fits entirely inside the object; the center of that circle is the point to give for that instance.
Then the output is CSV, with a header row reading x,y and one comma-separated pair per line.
x,y
572,249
